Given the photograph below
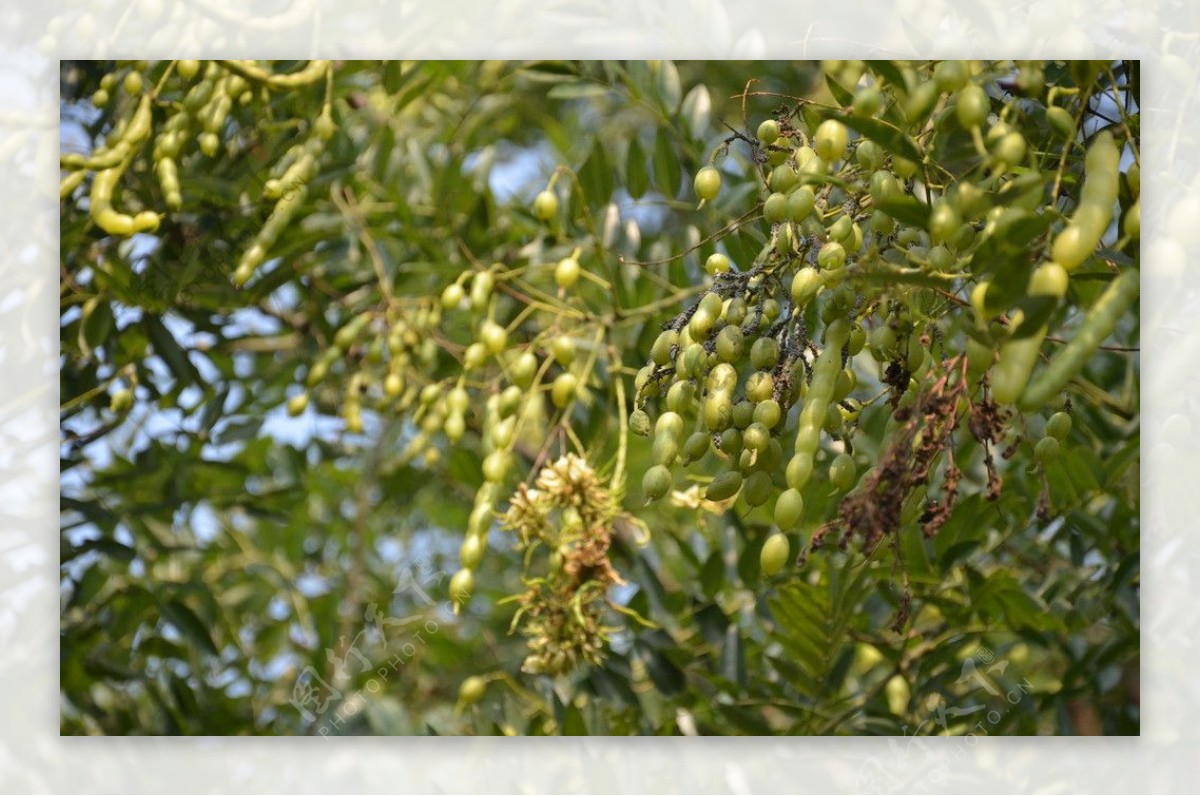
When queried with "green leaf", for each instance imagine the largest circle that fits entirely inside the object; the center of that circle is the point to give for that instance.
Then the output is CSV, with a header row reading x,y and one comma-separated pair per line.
x,y
186,622
596,177
580,90
666,84
697,111
843,97
888,72
637,177
906,209
667,171
168,349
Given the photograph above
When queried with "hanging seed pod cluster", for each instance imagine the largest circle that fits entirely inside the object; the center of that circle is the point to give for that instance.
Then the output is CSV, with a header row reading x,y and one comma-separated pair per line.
x,y
852,307
186,111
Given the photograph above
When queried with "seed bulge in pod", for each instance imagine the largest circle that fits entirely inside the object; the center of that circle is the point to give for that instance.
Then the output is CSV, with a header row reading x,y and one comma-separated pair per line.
x,y
656,482
665,449
695,447
757,489
743,413
472,550
724,486
681,396
493,336
774,555
562,348
481,289
756,437
669,423
563,389
717,412
768,413
457,401
639,423
729,344
764,353
759,386
799,470
1059,425
842,471
455,427
461,586
731,441
789,507
510,401
496,465
660,352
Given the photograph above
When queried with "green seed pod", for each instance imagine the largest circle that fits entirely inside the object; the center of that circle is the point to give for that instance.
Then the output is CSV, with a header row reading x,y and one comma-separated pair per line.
x,y
510,401
523,370
562,392
1059,426
717,412
457,401
695,447
756,437
729,344
660,352
452,296
768,132
731,442
567,272
665,449
562,348
707,183
842,471
743,414
764,353
724,486
639,423
455,427
774,555
475,356
462,584
722,378
502,432
869,155
789,507
669,423
735,313
782,179
295,405
716,263
775,209
493,336
831,256
496,465
757,489
1061,121
770,311
847,380
1047,450
760,386
656,482
805,285
481,518
768,413
858,339
481,290
545,206
799,470
472,550
681,396
800,204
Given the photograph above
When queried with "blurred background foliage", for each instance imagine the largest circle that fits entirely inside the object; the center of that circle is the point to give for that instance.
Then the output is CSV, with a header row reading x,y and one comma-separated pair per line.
x,y
230,569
